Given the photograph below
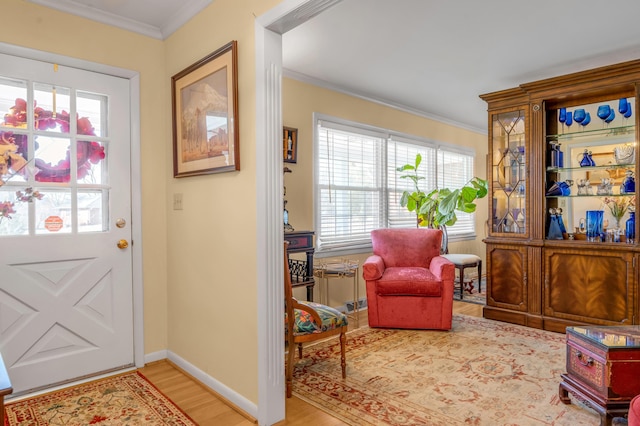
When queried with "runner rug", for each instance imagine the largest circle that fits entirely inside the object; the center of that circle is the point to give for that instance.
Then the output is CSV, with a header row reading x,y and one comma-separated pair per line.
x,y
127,399
482,372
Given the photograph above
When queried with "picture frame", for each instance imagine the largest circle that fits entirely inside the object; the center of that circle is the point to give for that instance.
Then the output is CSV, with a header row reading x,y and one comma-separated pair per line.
x,y
290,145
205,115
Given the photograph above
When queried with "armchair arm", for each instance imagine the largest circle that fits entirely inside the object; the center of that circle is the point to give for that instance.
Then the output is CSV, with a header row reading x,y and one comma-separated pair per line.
x,y
442,268
373,268
316,316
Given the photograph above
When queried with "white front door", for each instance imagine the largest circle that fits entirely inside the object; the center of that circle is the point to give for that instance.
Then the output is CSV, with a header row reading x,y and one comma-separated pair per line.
x,y
66,307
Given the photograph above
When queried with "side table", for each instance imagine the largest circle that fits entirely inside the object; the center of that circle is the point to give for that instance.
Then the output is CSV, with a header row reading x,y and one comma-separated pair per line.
x,y
301,271
340,269
603,366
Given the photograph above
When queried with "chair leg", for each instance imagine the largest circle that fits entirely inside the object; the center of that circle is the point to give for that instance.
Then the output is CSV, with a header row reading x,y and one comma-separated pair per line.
x,y
343,360
480,276
289,372
461,280
300,350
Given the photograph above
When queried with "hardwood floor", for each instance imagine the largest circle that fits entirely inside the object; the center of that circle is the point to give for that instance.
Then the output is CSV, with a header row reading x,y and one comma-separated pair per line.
x,y
206,408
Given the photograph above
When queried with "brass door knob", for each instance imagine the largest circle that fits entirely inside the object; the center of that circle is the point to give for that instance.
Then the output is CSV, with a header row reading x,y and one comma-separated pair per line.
x,y
123,244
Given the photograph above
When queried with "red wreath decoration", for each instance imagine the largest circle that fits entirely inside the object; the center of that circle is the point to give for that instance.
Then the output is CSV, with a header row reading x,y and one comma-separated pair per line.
x,y
15,146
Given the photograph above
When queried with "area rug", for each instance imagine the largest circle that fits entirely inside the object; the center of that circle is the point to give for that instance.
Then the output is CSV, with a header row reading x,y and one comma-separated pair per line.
x,y
127,399
475,296
482,372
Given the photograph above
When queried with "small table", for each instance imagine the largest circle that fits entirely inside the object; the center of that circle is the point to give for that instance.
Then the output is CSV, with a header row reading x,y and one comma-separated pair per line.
x,y
340,269
603,366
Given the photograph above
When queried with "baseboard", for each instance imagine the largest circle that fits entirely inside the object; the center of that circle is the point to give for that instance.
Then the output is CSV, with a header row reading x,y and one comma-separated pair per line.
x,y
231,397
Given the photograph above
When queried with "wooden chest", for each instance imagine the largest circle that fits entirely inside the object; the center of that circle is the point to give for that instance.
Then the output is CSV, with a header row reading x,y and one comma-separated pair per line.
x,y
603,368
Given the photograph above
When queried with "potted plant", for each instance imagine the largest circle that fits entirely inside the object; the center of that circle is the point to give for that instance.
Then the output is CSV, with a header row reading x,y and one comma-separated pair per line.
x,y
437,208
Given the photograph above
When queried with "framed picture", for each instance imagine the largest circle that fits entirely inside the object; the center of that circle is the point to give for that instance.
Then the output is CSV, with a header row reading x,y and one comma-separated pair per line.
x,y
205,115
290,145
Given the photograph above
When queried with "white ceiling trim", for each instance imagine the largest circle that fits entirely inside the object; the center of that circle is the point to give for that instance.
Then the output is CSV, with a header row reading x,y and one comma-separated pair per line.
x,y
400,107
184,14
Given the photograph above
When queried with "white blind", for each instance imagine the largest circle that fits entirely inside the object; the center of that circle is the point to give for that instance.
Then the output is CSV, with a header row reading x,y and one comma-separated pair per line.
x,y
454,171
349,190
399,153
357,188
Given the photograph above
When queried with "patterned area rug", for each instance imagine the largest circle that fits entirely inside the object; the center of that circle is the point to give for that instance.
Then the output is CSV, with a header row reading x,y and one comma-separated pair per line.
x,y
482,372
127,399
475,296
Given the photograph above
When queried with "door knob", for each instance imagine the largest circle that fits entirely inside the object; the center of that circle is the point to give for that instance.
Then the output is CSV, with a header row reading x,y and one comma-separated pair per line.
x,y
123,244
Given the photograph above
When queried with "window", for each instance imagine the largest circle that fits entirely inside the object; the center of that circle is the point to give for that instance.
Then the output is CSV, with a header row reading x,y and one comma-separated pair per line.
x,y
357,187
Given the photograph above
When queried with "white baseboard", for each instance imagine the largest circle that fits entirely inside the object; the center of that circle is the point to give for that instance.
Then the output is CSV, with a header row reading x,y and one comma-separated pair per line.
x,y
224,391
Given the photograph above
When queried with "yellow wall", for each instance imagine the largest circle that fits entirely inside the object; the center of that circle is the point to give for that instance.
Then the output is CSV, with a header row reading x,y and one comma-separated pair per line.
x,y
300,100
212,289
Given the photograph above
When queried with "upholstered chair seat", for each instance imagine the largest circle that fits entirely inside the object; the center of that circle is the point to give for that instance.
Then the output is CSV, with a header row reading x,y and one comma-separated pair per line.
x,y
305,324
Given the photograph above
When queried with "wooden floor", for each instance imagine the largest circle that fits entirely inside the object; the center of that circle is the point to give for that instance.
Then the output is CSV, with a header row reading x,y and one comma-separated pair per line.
x,y
206,408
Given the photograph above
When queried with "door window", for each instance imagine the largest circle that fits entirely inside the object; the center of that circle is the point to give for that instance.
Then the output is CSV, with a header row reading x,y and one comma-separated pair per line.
x,y
53,167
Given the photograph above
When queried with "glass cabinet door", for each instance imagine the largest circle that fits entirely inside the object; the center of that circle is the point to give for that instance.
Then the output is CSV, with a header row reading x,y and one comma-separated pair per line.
x,y
509,169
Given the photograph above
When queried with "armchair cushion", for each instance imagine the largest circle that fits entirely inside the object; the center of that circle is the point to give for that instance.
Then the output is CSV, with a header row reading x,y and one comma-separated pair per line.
x,y
409,281
331,319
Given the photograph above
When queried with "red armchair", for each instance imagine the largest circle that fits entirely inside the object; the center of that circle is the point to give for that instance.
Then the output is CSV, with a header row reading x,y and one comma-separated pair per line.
x,y
409,285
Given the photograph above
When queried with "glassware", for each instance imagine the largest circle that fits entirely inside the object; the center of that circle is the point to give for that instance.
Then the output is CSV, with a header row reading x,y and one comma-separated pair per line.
x,y
582,225
625,154
623,106
628,184
611,117
594,224
587,120
587,159
554,233
562,117
569,120
603,113
579,115
630,228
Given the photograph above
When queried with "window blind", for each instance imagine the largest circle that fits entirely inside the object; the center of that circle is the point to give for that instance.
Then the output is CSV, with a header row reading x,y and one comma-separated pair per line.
x,y
358,189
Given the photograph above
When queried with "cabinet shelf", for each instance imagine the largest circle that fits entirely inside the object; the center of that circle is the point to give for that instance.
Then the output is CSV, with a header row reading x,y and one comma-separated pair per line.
x,y
590,168
630,194
594,134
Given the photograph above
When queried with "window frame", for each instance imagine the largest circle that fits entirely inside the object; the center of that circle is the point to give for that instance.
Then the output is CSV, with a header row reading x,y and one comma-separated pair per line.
x,y
387,136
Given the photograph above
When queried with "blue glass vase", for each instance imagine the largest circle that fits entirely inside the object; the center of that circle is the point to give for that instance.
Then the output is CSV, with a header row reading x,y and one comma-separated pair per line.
x,y
628,184
630,228
594,224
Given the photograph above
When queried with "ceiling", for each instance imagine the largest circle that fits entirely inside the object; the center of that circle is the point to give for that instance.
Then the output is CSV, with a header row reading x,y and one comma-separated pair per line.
x,y
430,57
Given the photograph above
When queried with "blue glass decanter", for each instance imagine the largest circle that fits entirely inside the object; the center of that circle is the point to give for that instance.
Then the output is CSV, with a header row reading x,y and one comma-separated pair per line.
x,y
628,185
630,228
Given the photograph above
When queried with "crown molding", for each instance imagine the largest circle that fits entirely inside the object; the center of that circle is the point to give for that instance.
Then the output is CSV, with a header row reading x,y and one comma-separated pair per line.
x,y
187,11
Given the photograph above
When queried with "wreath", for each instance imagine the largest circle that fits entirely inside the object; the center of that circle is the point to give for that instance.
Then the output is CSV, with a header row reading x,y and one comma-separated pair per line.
x,y
14,146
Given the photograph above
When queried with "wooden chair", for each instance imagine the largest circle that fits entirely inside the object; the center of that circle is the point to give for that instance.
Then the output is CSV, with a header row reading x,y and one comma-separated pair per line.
x,y
308,322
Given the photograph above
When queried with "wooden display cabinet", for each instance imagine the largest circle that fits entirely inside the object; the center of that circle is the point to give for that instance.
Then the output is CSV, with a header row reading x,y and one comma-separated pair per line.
x,y
544,269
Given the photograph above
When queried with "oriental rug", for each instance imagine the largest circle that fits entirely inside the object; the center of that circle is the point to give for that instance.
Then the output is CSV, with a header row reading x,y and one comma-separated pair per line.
x,y
128,399
475,296
482,372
